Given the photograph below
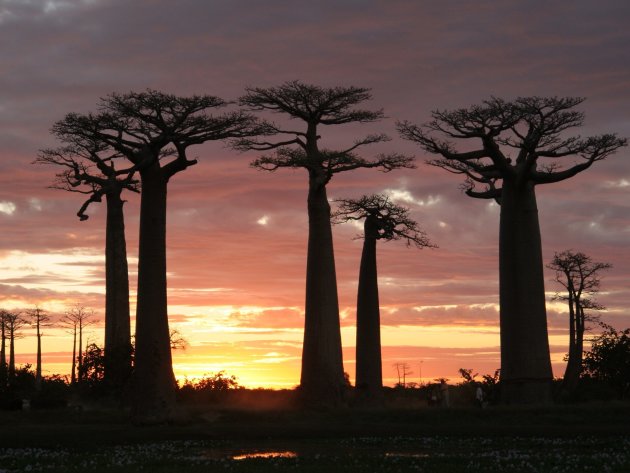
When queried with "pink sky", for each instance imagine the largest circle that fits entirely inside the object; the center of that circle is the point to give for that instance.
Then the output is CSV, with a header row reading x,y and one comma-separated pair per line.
x,y
237,236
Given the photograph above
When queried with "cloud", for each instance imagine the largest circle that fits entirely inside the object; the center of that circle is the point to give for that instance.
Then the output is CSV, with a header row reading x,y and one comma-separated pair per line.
x,y
403,195
237,237
7,208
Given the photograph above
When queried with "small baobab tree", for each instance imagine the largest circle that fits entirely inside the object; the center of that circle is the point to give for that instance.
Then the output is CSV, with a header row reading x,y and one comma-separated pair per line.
x,y
75,320
4,367
386,221
38,318
14,323
89,167
579,275
153,131
403,370
177,340
512,147
322,377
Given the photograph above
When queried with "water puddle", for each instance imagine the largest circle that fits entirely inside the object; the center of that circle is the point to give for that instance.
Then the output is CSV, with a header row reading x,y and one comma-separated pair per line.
x,y
248,455
407,455
307,450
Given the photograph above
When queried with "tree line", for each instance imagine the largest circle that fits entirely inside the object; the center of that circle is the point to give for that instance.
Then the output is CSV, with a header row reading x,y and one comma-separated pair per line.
x,y
138,142
12,324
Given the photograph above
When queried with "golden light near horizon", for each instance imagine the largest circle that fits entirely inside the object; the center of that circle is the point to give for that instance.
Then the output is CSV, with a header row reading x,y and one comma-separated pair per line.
x,y
228,337
237,240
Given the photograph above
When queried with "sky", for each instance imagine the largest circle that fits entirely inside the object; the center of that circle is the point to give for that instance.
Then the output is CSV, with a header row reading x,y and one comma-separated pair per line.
x,y
237,236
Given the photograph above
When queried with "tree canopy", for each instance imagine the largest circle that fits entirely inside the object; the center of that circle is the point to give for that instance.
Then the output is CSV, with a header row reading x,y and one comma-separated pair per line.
x,y
315,106
392,221
523,139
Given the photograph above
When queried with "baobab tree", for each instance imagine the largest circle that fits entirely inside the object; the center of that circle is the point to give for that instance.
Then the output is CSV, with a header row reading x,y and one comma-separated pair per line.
x,y
75,320
402,370
386,221
512,147
14,321
4,368
322,379
39,319
177,340
89,168
579,275
153,131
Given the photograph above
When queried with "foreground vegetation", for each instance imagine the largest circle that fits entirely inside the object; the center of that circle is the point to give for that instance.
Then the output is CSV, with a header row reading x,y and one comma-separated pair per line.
x,y
218,425
441,454
586,437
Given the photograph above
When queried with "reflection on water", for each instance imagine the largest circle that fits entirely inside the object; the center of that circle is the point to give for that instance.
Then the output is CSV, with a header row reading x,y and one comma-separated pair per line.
x,y
245,456
292,454
407,455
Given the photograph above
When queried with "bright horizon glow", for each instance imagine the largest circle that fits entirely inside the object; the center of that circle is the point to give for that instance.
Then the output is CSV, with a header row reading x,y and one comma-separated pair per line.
x,y
237,237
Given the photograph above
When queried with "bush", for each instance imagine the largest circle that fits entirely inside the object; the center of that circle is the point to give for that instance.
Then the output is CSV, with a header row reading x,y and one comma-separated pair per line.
x,y
210,388
609,360
54,393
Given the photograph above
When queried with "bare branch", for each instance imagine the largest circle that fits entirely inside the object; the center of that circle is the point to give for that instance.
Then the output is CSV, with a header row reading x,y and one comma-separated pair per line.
x,y
391,221
311,103
532,125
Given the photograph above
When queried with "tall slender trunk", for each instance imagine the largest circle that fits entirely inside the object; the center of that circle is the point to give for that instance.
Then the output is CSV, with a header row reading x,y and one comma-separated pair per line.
x,y
576,351
571,373
81,374
154,381
73,373
3,355
322,380
11,354
369,378
117,326
579,341
38,365
525,361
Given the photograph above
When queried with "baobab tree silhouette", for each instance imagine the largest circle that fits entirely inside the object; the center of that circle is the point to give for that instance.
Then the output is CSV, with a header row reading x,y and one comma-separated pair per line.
x,y
322,379
153,131
386,221
519,145
89,167
580,277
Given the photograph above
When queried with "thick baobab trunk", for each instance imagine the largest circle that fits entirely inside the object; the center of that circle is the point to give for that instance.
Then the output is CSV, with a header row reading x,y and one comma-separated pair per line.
x,y
322,380
154,381
525,362
369,378
117,327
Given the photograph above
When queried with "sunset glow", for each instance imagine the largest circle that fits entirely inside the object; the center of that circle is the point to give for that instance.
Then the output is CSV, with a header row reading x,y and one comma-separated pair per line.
x,y
237,237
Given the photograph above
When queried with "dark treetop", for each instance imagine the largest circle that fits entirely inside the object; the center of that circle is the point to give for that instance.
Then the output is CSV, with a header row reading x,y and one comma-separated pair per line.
x,y
392,221
315,106
520,139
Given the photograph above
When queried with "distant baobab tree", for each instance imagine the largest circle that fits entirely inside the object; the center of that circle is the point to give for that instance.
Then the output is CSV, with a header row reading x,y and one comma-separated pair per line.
x,y
89,167
579,275
519,145
75,320
402,370
153,131
383,220
14,321
177,340
39,319
4,367
322,378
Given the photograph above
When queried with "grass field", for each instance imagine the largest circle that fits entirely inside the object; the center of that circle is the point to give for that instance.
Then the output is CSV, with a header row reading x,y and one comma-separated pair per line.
x,y
555,439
